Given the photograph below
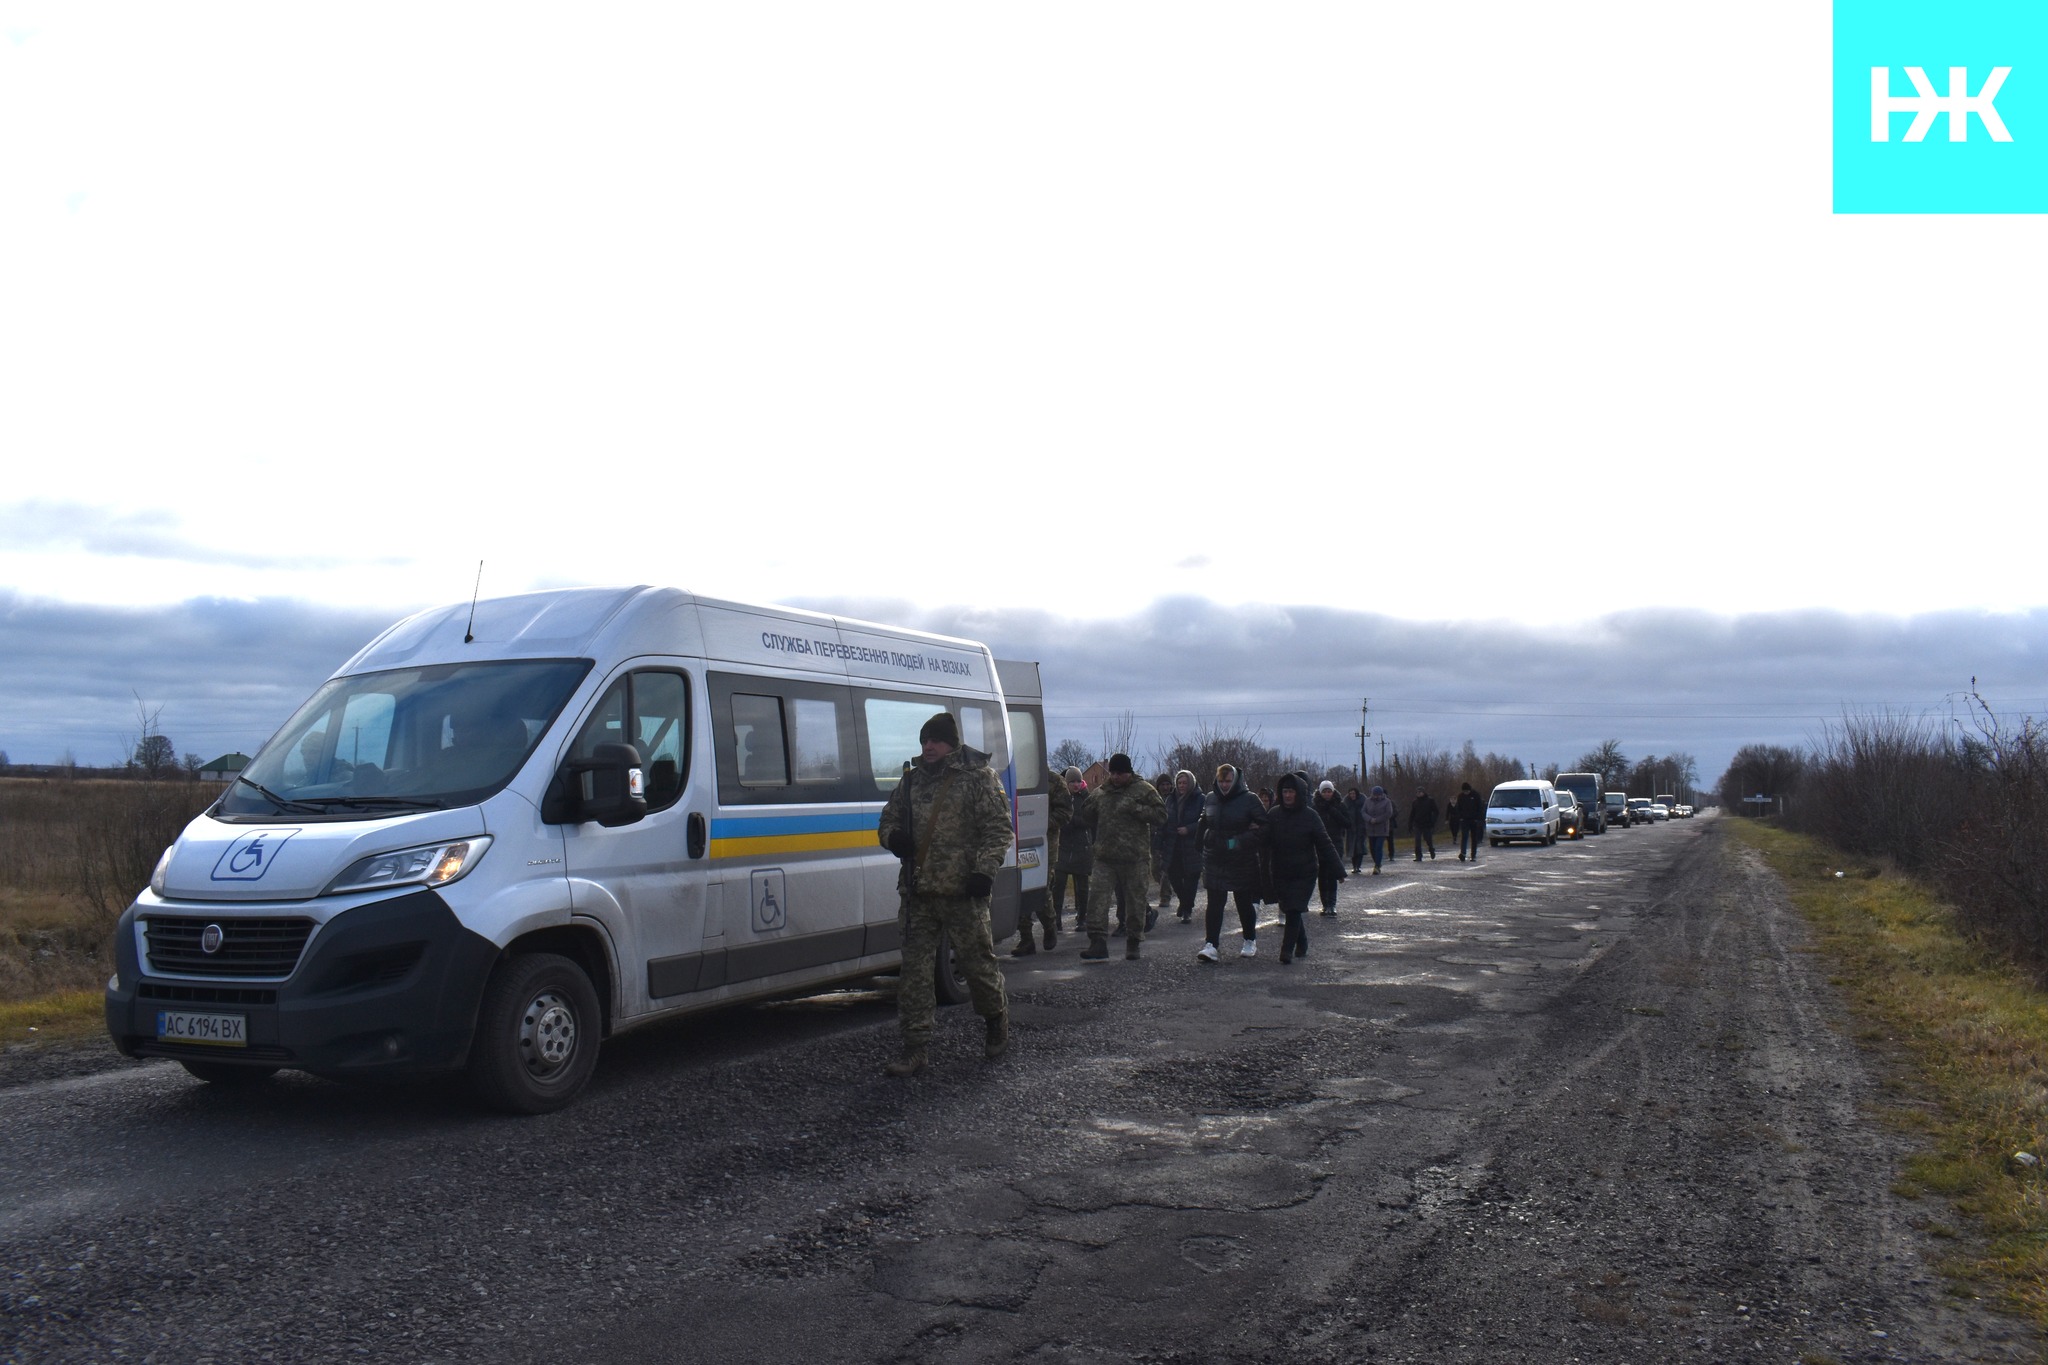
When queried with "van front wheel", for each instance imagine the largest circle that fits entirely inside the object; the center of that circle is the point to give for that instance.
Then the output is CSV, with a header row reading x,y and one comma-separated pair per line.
x,y
536,1035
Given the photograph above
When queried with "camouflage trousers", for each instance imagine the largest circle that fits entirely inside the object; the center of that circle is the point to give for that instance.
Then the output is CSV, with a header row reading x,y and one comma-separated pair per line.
x,y
1110,877
964,922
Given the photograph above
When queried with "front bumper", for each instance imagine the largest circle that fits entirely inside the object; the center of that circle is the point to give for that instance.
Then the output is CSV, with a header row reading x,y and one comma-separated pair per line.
x,y
391,986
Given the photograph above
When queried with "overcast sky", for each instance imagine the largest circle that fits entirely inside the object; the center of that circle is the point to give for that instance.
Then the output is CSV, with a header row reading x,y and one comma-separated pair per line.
x,y
1500,362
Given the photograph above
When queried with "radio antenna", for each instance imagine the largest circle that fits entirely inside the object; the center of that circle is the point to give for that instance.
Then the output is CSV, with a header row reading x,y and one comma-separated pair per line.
x,y
469,631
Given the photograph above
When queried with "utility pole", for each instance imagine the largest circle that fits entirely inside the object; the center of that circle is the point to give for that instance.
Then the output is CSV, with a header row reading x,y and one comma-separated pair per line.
x,y
1364,705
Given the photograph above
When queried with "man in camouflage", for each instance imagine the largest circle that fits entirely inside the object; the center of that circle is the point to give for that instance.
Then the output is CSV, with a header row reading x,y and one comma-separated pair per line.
x,y
1059,810
1123,813
949,822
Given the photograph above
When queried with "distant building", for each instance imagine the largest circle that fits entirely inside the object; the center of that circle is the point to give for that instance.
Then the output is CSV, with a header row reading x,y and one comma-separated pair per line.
x,y
226,768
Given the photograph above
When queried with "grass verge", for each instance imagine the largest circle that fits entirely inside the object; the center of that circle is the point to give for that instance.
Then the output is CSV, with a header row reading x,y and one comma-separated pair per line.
x,y
1973,1030
53,1018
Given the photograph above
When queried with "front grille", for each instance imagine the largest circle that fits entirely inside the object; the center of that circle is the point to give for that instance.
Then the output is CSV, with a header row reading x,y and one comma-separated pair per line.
x,y
207,995
248,947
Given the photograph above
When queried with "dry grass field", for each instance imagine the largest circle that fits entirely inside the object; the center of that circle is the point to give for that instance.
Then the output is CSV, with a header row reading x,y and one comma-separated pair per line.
x,y
72,855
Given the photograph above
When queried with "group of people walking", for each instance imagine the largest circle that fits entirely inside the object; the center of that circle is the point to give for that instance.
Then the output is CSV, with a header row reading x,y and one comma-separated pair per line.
x,y
948,823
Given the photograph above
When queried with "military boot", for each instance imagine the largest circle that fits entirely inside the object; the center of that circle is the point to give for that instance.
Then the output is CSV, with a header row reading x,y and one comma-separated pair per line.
x,y
1026,944
1131,949
1097,949
998,1036
911,1063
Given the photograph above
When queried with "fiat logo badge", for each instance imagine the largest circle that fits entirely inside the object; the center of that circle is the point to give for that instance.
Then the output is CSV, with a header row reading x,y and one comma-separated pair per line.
x,y
209,939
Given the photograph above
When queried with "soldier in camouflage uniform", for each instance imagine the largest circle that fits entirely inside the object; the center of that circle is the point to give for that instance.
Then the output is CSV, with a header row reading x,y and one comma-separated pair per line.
x,y
949,822
1123,813
1059,810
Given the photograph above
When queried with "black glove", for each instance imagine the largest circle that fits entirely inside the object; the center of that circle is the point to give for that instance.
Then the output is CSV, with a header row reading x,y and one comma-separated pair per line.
x,y
979,884
902,845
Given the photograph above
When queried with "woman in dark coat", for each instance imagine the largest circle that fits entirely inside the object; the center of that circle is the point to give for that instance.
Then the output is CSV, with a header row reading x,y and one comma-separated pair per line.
x,y
1183,840
1298,849
1232,829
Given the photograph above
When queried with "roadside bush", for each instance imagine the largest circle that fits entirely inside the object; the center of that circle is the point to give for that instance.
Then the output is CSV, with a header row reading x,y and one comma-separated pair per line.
x,y
117,830
1967,812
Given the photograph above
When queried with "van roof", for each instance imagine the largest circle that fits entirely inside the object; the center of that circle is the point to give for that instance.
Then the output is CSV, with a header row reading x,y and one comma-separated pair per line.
x,y
609,624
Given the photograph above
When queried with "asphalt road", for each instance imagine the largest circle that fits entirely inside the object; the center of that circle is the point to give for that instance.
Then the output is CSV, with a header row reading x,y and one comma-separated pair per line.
x,y
1582,1103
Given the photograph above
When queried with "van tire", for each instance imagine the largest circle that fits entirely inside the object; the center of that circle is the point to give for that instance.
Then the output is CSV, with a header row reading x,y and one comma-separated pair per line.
x,y
948,983
537,1035
227,1075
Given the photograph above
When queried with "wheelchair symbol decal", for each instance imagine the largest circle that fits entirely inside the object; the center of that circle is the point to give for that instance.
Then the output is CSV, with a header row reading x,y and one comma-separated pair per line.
x,y
770,900
251,855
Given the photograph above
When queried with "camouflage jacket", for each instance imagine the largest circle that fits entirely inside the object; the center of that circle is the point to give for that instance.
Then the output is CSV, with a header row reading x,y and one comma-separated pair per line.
x,y
1123,819
967,831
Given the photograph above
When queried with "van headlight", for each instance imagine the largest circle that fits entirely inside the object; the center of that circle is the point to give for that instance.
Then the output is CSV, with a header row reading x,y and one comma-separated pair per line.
x,y
163,868
428,865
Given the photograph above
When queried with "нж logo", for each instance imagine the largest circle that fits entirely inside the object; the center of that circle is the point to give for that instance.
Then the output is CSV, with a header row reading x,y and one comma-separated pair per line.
x,y
1924,104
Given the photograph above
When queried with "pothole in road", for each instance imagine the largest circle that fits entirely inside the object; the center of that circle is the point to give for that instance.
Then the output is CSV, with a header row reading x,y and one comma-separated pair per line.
x,y
1214,1254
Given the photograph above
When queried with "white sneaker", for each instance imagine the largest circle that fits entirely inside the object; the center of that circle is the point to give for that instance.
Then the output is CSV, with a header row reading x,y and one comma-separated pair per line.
x,y
1208,953
1250,949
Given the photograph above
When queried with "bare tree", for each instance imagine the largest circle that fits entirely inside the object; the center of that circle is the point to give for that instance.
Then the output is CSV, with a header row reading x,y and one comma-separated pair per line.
x,y
1609,761
1117,735
1071,753
152,751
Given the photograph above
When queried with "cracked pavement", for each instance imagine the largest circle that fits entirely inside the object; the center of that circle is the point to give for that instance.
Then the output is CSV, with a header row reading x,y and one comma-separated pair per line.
x,y
1583,1103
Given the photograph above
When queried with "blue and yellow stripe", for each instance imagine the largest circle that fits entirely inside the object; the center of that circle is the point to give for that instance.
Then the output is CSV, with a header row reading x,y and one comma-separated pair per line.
x,y
754,837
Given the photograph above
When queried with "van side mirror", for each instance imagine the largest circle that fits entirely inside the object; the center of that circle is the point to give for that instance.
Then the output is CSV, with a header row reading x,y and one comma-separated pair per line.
x,y
609,787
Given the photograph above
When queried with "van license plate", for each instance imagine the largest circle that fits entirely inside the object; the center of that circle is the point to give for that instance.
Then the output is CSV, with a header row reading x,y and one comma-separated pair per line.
x,y
218,1030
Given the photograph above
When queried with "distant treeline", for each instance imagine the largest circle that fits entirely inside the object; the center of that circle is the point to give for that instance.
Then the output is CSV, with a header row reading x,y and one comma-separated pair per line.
x,y
1961,803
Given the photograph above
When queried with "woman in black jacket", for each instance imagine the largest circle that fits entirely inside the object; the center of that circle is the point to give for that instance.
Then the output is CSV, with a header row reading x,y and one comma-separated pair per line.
x,y
1233,827
1298,848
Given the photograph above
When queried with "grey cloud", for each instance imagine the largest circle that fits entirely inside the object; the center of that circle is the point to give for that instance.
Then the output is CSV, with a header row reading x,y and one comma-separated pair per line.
x,y
228,673
1658,680
142,535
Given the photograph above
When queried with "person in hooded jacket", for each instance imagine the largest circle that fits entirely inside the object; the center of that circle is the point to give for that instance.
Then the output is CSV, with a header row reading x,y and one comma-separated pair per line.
x,y
1471,810
1231,834
1422,824
1354,806
1298,849
1076,857
1379,826
1183,836
1330,807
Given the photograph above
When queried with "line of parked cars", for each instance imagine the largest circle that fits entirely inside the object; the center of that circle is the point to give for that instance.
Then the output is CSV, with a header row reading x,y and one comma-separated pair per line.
x,y
1570,806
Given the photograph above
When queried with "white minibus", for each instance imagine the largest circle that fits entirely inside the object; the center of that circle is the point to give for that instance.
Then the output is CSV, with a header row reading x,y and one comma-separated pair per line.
x,y
508,829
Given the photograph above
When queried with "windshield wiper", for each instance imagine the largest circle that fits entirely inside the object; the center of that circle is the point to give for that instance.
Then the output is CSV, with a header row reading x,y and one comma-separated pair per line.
x,y
281,802
407,802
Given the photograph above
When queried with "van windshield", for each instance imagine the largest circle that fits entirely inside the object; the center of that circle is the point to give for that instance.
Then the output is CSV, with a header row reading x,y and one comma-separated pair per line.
x,y
1515,796
408,739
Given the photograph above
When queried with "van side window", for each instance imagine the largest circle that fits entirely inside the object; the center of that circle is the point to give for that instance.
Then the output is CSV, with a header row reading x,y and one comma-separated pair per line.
x,y
783,741
649,710
814,736
758,740
1024,739
892,735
